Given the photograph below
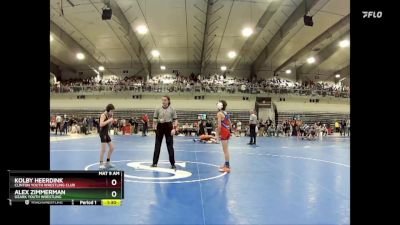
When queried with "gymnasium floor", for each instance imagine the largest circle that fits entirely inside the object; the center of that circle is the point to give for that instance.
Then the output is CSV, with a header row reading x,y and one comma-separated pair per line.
x,y
282,181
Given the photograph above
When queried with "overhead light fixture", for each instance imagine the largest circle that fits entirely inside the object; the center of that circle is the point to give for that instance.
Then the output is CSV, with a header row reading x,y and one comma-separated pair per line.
x,y
344,43
232,54
155,53
101,68
162,67
223,68
288,71
142,29
308,21
337,75
107,13
311,60
51,38
246,32
80,56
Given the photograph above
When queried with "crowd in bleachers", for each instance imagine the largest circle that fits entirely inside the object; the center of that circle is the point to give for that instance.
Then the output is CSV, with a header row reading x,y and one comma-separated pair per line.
x,y
210,83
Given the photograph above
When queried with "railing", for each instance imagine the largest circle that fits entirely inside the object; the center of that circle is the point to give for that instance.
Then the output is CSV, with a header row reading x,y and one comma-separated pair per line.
x,y
168,88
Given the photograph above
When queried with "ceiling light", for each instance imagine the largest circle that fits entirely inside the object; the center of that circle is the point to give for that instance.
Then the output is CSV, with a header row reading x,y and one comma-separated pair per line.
x,y
311,60
223,68
344,43
155,53
101,68
80,56
288,71
162,67
232,54
142,29
337,75
246,32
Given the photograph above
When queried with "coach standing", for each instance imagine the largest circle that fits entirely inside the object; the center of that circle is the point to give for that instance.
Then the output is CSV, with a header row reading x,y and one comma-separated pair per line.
x,y
165,123
253,124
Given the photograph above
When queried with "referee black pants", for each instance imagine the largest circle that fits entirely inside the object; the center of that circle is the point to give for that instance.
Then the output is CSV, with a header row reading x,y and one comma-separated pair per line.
x,y
164,129
253,133
58,127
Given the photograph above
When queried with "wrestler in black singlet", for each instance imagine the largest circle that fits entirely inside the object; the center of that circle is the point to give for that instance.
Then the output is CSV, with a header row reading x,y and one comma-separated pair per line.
x,y
103,132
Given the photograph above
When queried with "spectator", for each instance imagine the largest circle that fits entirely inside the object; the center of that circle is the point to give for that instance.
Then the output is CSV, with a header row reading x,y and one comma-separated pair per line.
x,y
96,124
134,124
90,124
238,128
70,123
209,127
329,129
262,129
268,123
202,128
337,126
343,128
234,127
58,124
271,130
348,126
185,129
297,125
123,126
53,122
324,130
84,126
65,125
208,83
145,120
279,130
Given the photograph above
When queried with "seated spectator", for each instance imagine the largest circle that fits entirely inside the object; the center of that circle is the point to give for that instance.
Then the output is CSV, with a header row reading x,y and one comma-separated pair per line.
x,y
261,128
324,130
202,128
310,133
185,129
234,127
271,131
238,128
279,130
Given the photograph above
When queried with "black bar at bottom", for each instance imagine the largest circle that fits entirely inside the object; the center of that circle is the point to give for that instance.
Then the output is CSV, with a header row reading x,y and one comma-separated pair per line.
x,y
55,202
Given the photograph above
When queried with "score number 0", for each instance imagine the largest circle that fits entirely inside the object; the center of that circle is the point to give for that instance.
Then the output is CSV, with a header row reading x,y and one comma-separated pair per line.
x,y
113,183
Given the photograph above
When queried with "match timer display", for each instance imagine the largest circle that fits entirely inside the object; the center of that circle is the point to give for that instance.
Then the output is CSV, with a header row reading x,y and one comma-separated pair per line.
x,y
66,187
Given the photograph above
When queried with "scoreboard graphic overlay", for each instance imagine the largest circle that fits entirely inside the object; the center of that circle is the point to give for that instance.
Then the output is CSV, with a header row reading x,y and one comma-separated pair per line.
x,y
66,187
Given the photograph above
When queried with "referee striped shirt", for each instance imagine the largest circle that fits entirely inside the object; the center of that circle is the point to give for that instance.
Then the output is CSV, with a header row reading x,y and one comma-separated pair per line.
x,y
164,115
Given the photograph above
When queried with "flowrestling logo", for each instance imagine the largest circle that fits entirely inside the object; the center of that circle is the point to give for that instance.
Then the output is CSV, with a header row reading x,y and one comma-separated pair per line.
x,y
372,14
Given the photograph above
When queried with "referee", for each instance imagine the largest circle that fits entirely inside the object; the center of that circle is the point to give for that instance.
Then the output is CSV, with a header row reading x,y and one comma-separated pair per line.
x,y
165,123
253,123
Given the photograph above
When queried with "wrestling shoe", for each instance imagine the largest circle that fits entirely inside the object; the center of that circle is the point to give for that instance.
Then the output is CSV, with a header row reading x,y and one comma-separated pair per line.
x,y
225,169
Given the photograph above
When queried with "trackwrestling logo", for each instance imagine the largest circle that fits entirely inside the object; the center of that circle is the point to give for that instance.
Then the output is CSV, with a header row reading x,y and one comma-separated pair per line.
x,y
372,14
